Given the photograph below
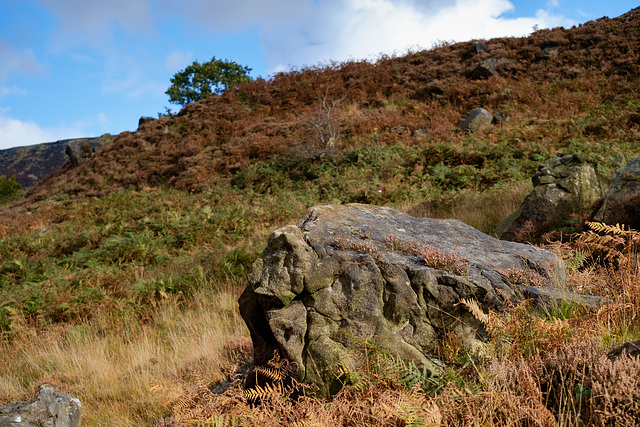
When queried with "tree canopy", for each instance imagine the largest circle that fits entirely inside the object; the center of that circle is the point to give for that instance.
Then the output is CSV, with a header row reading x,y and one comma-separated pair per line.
x,y
199,81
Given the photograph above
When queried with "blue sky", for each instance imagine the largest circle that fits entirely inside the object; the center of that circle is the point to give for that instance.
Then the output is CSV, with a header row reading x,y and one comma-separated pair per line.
x,y
74,68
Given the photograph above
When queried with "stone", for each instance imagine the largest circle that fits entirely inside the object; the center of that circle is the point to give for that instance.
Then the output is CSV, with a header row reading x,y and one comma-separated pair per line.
x,y
352,274
621,202
549,52
629,348
51,408
480,47
419,133
78,152
562,186
145,119
487,68
477,120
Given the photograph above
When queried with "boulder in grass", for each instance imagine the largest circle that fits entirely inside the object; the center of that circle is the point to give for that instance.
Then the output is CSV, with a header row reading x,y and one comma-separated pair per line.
x,y
562,186
350,274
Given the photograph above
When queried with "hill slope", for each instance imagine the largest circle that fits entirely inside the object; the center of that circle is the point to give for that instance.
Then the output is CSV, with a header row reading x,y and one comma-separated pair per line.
x,y
549,83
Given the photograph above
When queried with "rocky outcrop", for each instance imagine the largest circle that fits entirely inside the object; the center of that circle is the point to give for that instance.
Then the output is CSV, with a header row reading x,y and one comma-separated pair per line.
x,y
349,274
145,119
621,202
51,408
477,120
562,186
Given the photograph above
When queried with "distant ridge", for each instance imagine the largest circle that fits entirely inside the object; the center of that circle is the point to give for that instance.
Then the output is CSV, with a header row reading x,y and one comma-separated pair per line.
x,y
32,163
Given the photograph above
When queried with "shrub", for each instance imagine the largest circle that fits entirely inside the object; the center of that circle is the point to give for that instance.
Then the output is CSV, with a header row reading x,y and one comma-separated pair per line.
x,y
10,189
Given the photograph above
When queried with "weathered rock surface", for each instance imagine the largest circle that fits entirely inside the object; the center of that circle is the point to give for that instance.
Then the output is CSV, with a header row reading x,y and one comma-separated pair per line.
x,y
51,408
351,273
478,119
621,202
562,186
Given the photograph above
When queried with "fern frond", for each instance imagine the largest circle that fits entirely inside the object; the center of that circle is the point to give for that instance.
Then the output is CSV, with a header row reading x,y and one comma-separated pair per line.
x,y
473,306
609,229
262,393
272,373
183,403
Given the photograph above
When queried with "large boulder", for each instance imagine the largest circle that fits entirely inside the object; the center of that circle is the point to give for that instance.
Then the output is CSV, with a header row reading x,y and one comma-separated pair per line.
x,y
349,274
562,186
51,408
621,202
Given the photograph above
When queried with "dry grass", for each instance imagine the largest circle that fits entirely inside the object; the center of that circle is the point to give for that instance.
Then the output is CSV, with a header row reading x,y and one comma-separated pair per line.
x,y
130,379
484,211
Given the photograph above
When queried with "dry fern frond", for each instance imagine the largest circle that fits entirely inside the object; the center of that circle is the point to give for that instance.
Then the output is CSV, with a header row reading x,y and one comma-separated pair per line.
x,y
473,306
262,393
601,227
271,373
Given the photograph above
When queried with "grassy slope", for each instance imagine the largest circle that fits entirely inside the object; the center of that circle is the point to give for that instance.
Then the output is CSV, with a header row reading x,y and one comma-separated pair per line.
x,y
129,276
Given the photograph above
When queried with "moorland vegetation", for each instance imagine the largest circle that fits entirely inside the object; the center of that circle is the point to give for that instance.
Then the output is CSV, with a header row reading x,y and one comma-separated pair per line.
x,y
119,278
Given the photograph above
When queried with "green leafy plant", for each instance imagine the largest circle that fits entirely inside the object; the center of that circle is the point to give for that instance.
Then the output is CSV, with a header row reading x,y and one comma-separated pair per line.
x,y
199,81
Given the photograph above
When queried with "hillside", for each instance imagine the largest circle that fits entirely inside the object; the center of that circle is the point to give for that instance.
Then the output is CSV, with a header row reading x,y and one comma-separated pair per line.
x,y
33,163
549,82
126,269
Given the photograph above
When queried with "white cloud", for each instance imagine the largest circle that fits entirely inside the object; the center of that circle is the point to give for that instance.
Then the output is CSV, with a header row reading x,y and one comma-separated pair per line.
x,y
18,133
340,30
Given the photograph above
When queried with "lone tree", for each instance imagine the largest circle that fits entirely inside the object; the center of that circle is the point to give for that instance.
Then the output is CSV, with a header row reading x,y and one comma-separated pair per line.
x,y
199,81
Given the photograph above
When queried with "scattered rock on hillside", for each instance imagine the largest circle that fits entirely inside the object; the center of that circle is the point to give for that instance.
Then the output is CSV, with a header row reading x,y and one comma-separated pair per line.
x,y
78,152
549,52
621,202
562,186
477,120
51,408
629,348
145,119
350,274
487,68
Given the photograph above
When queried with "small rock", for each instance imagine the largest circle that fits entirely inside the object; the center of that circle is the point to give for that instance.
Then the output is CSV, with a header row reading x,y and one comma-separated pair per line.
x,y
549,52
52,408
477,120
480,47
487,68
418,133
630,348
145,119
